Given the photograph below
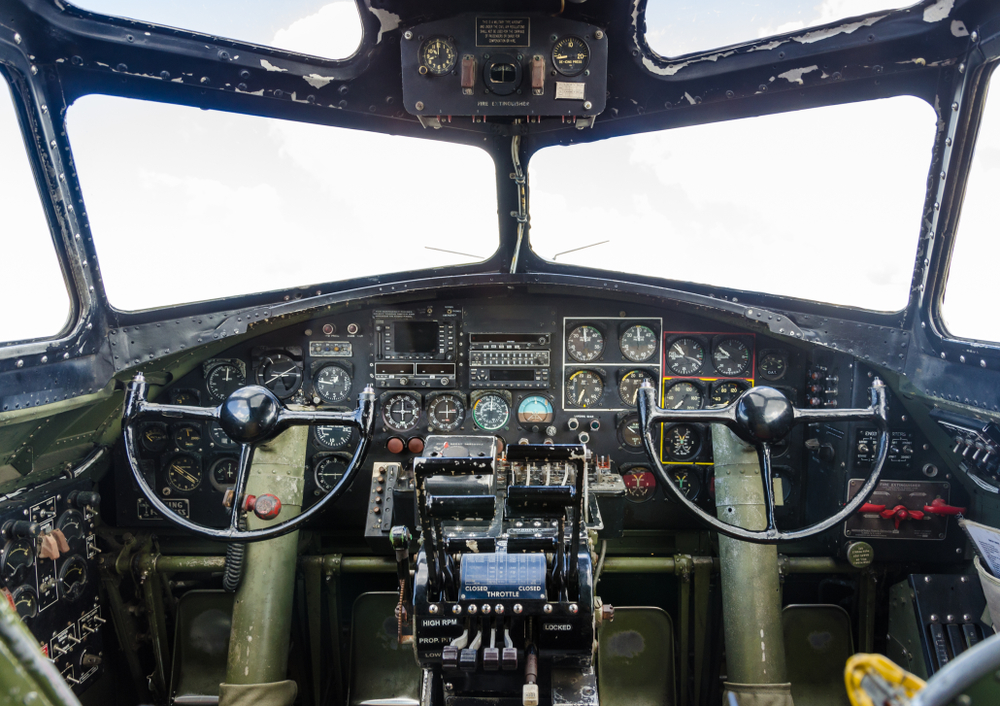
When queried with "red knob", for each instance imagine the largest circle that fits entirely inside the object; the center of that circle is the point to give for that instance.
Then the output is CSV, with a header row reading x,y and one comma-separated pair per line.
x,y
939,507
266,507
415,445
395,445
900,513
871,507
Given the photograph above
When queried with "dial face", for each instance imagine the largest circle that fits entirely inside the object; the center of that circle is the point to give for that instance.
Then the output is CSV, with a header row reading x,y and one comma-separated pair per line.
x,y
73,577
185,397
25,601
685,356
219,437
535,409
682,395
333,383
640,484
328,471
332,437
727,391
18,557
183,473
446,412
682,442
630,432
585,344
638,343
280,374
731,357
688,481
438,55
628,387
222,472
772,365
584,389
154,437
570,56
223,380
187,437
491,412
401,412
71,524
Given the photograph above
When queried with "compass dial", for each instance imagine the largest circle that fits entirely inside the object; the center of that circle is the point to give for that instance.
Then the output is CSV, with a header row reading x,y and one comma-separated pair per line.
x,y
446,412
401,412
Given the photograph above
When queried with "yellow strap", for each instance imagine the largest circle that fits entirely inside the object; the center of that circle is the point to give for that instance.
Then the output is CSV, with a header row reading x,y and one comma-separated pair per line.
x,y
882,670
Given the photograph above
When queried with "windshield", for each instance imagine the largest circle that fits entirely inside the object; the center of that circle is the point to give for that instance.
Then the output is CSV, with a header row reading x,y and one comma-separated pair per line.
x,y
822,204
230,204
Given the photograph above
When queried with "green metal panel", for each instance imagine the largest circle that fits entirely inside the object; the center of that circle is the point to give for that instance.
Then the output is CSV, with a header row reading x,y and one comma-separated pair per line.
x,y
817,645
381,668
201,643
635,658
903,643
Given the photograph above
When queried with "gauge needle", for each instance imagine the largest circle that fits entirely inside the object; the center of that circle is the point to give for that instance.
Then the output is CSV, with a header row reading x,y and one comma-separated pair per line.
x,y
679,404
279,375
185,474
580,398
722,353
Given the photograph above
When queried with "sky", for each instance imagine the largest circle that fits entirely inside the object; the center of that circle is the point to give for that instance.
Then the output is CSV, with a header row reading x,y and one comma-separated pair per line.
x,y
738,203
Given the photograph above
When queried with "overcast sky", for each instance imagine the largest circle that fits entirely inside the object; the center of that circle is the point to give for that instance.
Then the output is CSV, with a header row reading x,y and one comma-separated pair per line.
x,y
774,203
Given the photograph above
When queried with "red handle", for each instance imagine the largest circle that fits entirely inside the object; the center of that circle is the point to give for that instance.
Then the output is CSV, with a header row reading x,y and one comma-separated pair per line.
x,y
940,507
871,507
900,513
266,507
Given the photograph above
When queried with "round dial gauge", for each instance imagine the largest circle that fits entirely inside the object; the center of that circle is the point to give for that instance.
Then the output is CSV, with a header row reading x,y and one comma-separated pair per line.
x,y
638,343
223,380
183,473
154,437
187,437
535,409
25,601
584,389
185,397
731,357
727,391
18,557
688,481
640,484
491,412
682,395
628,386
333,383
222,473
685,356
72,577
570,56
280,374
438,56
772,365
328,471
630,432
401,412
446,412
682,442
332,437
585,344
71,524
219,437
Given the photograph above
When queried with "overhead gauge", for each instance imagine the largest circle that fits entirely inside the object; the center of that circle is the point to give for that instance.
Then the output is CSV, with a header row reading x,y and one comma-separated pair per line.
x,y
682,395
401,412
535,409
222,473
685,356
726,391
184,473
772,365
25,601
328,471
224,379
332,437
628,386
491,412
638,343
731,357
630,433
187,437
571,56
72,577
332,383
640,484
585,344
682,442
154,436
438,56
446,412
280,374
18,557
688,481
584,388
219,437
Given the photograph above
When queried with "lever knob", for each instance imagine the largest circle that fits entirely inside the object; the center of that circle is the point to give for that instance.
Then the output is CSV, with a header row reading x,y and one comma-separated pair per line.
x,y
266,507
13,529
85,498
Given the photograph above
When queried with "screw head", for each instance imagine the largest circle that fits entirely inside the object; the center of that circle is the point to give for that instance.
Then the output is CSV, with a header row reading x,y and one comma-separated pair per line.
x,y
486,609
547,608
433,610
518,608
587,105
419,105
407,34
456,609
499,609
472,609
573,608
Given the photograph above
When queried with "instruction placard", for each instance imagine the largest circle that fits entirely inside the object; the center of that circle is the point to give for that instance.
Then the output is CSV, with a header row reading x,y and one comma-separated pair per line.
x,y
503,32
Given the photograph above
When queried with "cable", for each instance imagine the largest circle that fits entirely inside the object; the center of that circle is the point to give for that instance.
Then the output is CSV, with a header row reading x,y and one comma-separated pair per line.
x,y
600,561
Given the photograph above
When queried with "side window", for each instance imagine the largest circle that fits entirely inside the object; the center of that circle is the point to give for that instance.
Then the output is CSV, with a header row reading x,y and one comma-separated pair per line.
x,y
33,292
969,306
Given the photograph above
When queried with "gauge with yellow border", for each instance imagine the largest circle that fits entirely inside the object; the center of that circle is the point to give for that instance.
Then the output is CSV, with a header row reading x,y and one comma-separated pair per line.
x,y
584,388
183,473
726,391
682,442
491,412
682,395
438,56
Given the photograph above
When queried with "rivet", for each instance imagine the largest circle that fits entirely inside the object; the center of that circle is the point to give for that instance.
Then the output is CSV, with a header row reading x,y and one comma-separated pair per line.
x,y
573,608
472,609
486,609
407,34
518,608
587,105
499,609
456,609
954,106
961,359
433,610
419,105
547,608
598,34
17,37
974,36
19,363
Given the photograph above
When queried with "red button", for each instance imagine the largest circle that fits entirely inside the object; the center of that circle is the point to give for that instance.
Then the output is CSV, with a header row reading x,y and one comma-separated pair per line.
x,y
415,445
395,445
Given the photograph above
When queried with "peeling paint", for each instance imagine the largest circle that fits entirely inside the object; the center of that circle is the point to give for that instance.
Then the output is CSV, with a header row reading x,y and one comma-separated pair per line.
x,y
388,21
938,11
672,69
252,93
271,67
849,28
473,545
795,75
958,29
317,81
769,46
689,98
